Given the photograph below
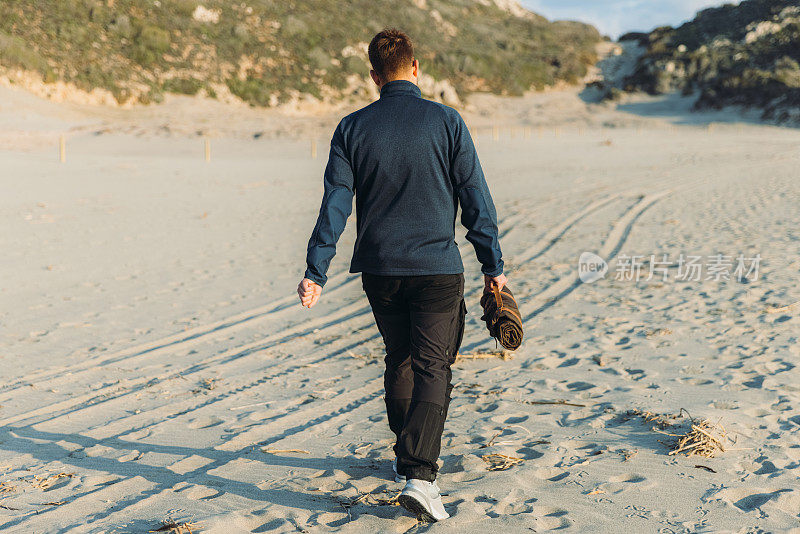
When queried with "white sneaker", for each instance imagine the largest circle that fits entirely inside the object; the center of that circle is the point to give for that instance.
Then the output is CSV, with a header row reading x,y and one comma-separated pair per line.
x,y
397,476
422,499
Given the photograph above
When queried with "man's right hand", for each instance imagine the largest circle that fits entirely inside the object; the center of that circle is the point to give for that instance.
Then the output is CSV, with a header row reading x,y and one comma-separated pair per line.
x,y
309,292
498,281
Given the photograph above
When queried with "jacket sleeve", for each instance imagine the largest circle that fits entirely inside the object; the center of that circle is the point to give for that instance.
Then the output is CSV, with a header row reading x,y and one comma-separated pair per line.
x,y
478,214
337,204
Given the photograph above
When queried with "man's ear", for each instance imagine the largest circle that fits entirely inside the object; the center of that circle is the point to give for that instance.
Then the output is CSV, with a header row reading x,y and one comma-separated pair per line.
x,y
375,77
415,68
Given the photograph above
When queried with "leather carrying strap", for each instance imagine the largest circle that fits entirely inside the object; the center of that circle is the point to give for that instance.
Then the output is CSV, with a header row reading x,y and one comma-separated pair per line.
x,y
498,299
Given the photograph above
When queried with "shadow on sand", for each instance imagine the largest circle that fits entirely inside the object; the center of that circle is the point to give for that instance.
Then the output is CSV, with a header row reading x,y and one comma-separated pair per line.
x,y
69,449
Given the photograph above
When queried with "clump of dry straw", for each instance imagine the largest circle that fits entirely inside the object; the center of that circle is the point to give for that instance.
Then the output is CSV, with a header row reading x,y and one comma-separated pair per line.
x,y
176,527
504,355
46,482
500,462
702,438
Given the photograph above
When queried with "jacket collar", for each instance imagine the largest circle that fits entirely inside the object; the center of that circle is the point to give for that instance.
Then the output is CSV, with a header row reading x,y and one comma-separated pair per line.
x,y
400,87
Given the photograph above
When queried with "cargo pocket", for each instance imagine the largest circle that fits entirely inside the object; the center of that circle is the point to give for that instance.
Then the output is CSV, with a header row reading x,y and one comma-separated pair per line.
x,y
458,334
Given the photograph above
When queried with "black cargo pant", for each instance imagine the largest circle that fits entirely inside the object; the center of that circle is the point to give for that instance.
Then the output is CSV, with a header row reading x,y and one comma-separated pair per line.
x,y
421,319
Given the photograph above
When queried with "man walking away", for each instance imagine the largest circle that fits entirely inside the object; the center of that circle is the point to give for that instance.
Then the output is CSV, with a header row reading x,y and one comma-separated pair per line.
x,y
409,162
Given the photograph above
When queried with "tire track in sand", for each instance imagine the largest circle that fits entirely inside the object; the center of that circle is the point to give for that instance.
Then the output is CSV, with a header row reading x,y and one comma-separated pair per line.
x,y
99,397
210,331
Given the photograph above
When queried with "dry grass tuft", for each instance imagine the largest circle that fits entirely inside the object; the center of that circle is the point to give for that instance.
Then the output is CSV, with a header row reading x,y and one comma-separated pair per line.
x,y
657,332
393,500
349,503
285,451
370,499
176,527
207,384
661,421
500,433
5,487
43,483
703,439
560,402
781,309
504,355
500,462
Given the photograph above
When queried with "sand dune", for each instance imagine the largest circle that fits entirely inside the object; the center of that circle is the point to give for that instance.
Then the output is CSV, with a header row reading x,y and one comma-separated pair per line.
x,y
155,358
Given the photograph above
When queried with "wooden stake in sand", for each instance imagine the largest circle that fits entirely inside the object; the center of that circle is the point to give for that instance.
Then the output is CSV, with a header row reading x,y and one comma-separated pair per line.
x,y
208,149
62,149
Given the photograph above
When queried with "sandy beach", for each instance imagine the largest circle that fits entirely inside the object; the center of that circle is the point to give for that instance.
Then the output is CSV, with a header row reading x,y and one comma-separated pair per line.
x,y
156,363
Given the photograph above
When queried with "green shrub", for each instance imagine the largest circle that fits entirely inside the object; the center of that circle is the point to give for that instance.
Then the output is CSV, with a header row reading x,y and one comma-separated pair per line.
x,y
296,45
252,90
183,86
184,8
150,44
15,52
720,63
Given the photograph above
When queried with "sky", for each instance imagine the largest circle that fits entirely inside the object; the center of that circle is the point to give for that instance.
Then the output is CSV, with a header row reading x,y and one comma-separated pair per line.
x,y
615,17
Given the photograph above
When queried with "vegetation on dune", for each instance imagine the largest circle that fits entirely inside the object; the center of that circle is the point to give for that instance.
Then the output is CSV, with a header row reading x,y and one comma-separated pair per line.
x,y
266,51
746,54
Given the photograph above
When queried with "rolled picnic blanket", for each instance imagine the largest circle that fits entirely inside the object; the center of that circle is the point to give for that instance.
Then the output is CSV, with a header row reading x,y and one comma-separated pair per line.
x,y
501,313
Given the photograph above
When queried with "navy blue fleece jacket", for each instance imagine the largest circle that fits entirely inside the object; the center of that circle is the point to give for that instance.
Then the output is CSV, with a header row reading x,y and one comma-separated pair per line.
x,y
409,162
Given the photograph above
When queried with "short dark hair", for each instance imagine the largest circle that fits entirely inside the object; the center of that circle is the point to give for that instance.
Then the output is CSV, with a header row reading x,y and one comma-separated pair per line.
x,y
390,51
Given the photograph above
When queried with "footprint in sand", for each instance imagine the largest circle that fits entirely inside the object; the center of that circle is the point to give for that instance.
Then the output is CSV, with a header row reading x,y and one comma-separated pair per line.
x,y
463,468
510,419
580,386
753,499
552,474
622,482
137,435
767,468
100,480
205,422
492,406
632,478
130,457
511,504
549,518
198,493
